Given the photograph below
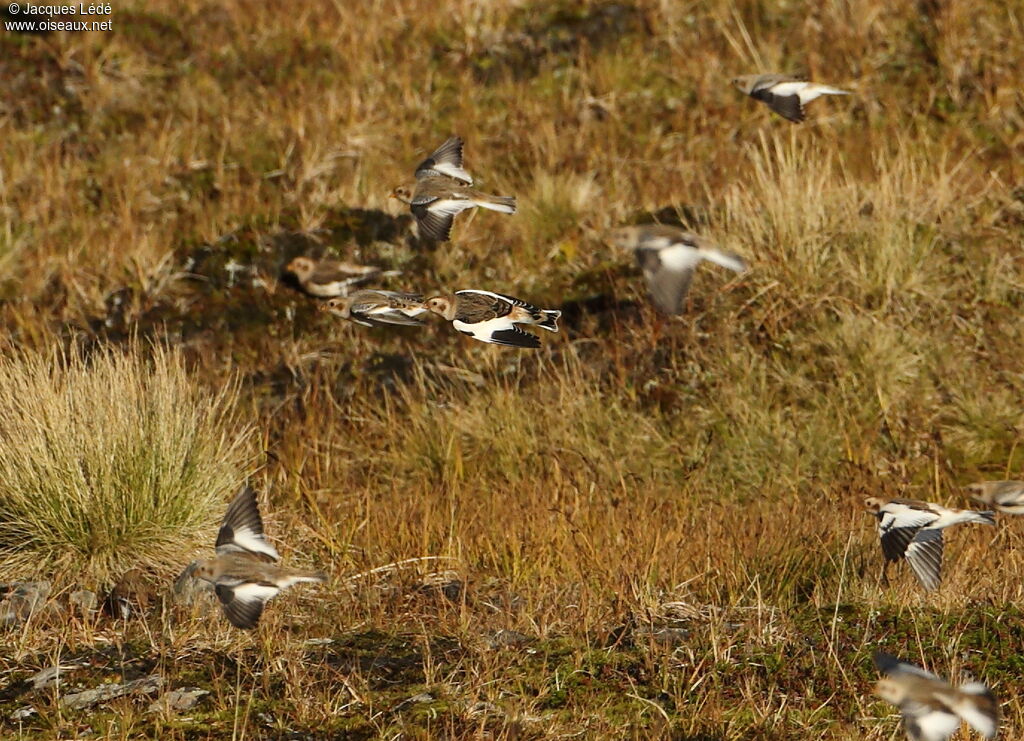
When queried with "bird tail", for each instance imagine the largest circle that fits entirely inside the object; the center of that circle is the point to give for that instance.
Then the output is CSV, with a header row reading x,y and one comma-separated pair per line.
x,y
827,90
504,204
728,260
549,319
979,709
987,517
311,577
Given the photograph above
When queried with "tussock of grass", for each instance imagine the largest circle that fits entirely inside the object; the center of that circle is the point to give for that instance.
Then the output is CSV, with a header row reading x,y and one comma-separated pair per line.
x,y
110,463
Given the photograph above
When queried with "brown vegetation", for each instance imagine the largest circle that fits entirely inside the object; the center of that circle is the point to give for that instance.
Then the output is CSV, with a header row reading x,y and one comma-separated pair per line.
x,y
649,527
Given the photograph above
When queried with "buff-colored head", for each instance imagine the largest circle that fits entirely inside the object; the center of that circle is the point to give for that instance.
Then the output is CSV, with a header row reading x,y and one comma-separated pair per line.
x,y
301,267
402,193
337,307
624,238
873,504
745,83
890,690
442,306
204,570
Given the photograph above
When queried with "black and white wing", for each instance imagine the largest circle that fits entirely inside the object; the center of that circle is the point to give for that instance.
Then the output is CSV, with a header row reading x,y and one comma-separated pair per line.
x,y
446,160
243,601
668,287
782,96
897,529
924,554
499,297
242,528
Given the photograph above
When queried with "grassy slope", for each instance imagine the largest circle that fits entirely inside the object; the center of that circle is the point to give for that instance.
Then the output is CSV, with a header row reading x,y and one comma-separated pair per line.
x,y
717,460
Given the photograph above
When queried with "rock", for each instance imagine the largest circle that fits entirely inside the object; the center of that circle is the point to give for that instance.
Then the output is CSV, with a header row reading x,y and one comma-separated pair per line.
x,y
84,601
508,639
88,698
23,713
179,700
188,590
22,599
50,676
421,698
444,583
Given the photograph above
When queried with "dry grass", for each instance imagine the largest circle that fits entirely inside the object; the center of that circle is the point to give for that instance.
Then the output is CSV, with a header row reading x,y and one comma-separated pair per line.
x,y
157,179
110,463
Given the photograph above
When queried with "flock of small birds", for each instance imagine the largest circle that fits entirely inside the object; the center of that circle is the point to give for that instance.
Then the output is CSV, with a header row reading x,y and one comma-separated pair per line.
x,y
245,573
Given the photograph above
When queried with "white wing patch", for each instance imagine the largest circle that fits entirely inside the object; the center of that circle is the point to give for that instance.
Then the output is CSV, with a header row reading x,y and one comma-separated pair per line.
x,y
789,88
253,592
450,206
509,299
680,257
937,725
254,543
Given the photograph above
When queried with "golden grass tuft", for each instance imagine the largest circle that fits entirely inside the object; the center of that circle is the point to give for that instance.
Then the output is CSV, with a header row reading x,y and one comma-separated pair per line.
x,y
111,462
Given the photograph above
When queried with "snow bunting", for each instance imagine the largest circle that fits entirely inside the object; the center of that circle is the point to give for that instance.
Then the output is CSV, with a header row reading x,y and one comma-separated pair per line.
x,y
1005,496
443,190
373,308
244,573
668,256
330,278
784,94
912,530
931,707
492,317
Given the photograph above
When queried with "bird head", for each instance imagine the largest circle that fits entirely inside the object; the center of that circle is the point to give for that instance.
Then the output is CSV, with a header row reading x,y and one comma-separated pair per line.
x,y
624,238
890,690
336,306
301,267
873,504
402,193
745,83
204,571
441,305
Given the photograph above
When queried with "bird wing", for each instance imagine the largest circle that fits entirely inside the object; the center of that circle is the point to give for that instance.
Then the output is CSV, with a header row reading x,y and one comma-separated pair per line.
x,y
668,287
435,215
927,723
924,554
789,107
889,664
243,602
898,523
498,296
445,160
242,528
498,331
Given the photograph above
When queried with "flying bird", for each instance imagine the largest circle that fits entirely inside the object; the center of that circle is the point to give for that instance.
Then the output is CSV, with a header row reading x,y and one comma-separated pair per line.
x,y
912,530
330,278
443,189
245,573
931,707
493,317
1005,496
373,308
668,255
784,94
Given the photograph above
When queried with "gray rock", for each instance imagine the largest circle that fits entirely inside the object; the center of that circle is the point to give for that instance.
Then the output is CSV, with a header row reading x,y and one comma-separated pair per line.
x,y
423,697
23,713
84,601
179,700
22,599
189,590
51,676
88,698
508,639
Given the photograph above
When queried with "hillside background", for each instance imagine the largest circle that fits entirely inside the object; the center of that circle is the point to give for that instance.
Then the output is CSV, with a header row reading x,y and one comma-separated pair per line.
x,y
650,527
